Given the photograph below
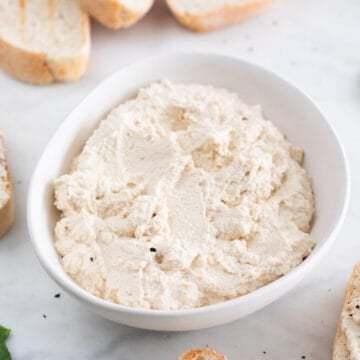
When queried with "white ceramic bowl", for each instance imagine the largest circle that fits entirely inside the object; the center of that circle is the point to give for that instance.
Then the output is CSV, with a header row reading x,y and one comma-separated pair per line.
x,y
292,112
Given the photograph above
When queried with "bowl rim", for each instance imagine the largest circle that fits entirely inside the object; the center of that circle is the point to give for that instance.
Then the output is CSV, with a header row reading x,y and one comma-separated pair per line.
x,y
81,294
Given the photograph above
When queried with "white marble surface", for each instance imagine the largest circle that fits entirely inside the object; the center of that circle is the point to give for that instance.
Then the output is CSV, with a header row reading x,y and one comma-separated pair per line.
x,y
314,44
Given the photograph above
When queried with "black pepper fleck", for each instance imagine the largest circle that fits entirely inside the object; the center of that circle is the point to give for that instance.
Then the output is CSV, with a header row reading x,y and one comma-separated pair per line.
x,y
304,258
91,259
44,316
350,315
264,352
57,295
152,249
357,306
303,357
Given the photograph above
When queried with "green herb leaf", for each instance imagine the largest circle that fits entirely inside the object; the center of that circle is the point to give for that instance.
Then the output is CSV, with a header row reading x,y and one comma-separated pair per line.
x,y
4,352
4,333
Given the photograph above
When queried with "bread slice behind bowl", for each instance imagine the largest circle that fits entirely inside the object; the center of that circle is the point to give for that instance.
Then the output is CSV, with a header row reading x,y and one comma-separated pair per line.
x,y
213,14
42,41
116,14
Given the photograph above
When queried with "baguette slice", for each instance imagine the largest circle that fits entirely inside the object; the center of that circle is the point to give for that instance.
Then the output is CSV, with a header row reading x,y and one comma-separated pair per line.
x,y
42,41
340,350
347,340
202,354
6,194
209,15
116,14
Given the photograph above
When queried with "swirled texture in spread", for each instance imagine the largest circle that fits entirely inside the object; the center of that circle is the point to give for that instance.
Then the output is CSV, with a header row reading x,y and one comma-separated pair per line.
x,y
183,197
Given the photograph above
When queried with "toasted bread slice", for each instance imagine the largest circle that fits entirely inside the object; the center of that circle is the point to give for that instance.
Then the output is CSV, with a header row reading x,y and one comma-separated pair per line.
x,y
116,14
340,349
213,14
202,354
42,41
6,194
347,340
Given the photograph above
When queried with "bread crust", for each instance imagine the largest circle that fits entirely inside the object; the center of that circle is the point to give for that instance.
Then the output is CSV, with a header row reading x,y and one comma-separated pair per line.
x,y
38,68
220,17
7,211
68,69
24,65
197,354
6,216
340,351
111,13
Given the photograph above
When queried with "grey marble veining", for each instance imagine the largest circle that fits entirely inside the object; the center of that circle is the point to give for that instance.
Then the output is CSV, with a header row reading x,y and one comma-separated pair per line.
x,y
314,44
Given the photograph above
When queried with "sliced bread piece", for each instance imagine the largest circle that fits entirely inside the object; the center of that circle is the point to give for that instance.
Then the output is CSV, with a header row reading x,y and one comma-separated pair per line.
x,y
213,14
6,194
340,349
347,340
116,14
202,354
42,41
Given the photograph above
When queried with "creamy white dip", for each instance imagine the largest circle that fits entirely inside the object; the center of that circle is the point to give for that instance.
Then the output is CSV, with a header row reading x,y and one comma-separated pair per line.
x,y
184,196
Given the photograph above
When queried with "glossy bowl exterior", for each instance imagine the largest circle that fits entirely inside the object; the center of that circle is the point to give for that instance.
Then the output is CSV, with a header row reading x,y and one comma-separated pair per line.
x,y
291,111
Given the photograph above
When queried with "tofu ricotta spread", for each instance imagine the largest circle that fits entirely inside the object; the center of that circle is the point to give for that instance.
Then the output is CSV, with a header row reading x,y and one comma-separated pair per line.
x,y
184,196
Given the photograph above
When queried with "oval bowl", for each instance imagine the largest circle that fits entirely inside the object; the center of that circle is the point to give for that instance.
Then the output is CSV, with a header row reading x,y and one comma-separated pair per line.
x,y
288,108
